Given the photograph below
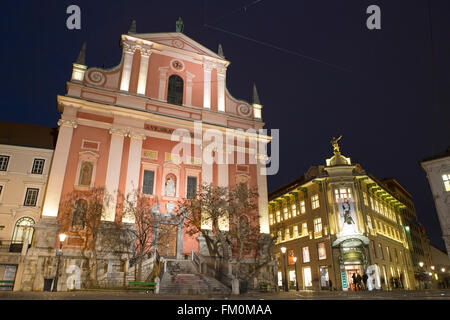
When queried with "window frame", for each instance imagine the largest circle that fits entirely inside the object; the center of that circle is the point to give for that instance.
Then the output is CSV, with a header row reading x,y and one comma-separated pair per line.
x,y
7,162
26,196
33,166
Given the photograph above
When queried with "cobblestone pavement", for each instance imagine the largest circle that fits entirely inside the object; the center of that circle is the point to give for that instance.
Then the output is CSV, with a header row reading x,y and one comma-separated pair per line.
x,y
292,295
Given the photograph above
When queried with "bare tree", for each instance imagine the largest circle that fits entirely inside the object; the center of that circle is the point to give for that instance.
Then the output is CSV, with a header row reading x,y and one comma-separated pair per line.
x,y
149,228
81,213
228,220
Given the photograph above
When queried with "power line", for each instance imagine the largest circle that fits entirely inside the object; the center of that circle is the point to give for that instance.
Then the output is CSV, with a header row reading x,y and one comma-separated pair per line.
x,y
279,48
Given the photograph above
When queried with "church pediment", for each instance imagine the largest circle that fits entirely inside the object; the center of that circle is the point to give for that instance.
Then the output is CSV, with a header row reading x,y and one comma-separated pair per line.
x,y
179,41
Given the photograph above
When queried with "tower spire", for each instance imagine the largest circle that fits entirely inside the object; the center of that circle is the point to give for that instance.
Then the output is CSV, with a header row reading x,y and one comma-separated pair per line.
x,y
255,95
220,51
82,55
132,27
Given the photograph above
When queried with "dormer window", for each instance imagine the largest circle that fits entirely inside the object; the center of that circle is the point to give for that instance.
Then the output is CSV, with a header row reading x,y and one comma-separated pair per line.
x,y
175,90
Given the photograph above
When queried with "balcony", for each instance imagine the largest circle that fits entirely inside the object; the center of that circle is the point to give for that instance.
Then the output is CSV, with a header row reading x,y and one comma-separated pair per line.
x,y
11,246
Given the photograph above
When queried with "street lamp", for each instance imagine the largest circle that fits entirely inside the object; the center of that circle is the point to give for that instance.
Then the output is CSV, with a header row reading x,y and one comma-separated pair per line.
x,y
443,269
421,264
283,250
62,237
432,267
296,282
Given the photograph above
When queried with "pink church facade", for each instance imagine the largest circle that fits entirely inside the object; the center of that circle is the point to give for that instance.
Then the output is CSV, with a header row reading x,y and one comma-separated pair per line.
x,y
116,129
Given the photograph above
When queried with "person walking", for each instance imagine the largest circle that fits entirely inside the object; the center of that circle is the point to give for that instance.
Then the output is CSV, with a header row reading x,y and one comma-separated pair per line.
x,y
358,281
354,281
365,277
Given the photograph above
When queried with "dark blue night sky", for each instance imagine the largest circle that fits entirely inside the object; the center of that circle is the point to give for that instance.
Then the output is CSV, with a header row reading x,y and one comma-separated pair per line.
x,y
390,103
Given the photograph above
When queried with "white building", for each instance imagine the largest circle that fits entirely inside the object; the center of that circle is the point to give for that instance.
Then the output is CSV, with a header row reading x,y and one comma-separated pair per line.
x,y
25,157
438,175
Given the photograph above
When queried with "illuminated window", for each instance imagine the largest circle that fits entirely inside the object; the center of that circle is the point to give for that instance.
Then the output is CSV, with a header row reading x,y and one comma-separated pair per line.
x,y
278,216
304,229
288,235
302,207
294,210
445,178
285,213
23,230
342,193
307,279
38,166
271,219
377,209
31,197
4,160
295,231
321,250
315,201
372,203
317,225
369,222
305,252
366,201
279,239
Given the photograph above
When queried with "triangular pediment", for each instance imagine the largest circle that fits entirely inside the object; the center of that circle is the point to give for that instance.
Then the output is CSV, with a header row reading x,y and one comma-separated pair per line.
x,y
179,41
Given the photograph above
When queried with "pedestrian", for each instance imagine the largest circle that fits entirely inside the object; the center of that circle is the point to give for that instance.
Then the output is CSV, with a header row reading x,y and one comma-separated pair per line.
x,y
354,281
358,281
365,277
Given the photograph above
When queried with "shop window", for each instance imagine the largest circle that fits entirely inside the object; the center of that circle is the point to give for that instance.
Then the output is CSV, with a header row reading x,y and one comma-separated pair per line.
x,y
305,253
321,250
307,278
324,277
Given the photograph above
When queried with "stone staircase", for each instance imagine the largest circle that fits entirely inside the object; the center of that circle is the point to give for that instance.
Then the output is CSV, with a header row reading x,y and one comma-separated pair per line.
x,y
182,277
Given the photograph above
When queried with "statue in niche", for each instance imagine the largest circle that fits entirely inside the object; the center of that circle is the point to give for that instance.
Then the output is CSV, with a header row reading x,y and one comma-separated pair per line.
x,y
170,187
170,206
85,174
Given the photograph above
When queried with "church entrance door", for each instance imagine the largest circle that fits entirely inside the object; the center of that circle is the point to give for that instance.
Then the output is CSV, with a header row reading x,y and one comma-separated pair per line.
x,y
167,244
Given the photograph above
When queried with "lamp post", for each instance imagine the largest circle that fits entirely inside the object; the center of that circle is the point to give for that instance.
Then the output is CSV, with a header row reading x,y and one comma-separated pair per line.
x,y
62,237
283,250
296,281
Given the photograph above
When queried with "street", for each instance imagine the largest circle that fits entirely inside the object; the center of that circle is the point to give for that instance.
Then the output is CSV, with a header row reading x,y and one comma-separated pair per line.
x,y
291,295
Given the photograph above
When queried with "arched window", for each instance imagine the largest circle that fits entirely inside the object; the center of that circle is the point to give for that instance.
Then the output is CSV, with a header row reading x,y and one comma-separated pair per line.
x,y
23,230
79,213
175,90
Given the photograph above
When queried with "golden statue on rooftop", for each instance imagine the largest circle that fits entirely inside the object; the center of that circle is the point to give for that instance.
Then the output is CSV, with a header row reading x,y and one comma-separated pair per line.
x,y
334,143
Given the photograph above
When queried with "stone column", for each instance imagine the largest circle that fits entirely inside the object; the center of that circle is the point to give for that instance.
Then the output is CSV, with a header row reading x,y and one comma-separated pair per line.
x,y
127,65
189,84
162,83
134,167
221,76
143,70
113,171
58,169
207,67
263,205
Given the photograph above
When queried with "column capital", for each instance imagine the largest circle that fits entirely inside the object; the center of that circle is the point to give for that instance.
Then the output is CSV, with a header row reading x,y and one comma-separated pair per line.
x,y
118,132
208,65
129,48
145,50
67,123
136,135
